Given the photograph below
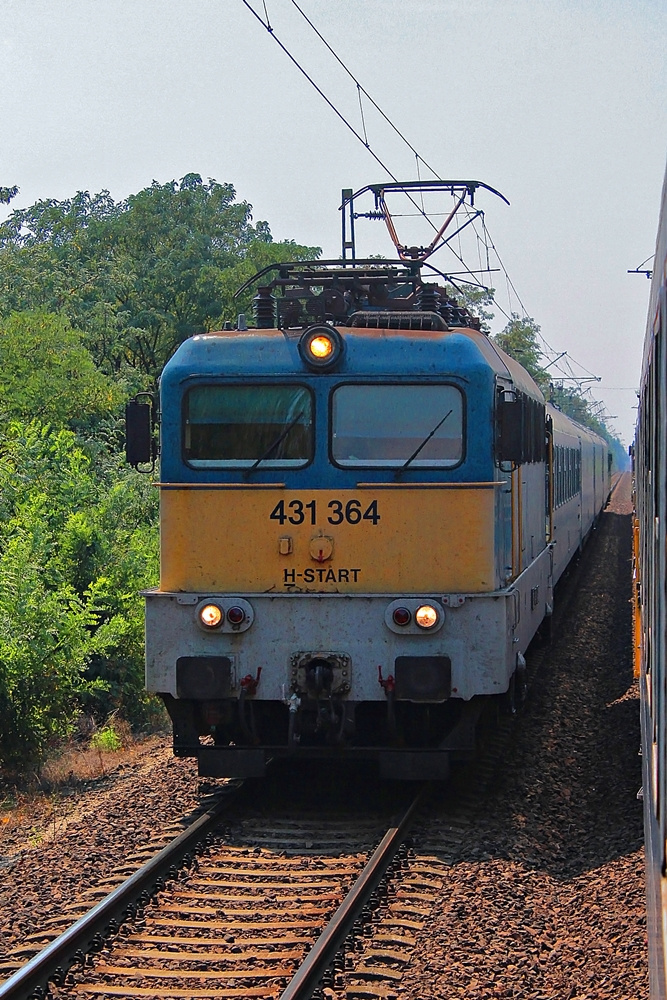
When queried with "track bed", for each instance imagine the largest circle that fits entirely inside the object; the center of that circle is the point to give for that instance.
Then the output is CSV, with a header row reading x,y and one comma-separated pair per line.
x,y
525,877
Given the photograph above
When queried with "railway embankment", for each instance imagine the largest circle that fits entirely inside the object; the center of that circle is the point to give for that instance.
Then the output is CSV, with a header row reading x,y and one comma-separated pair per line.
x,y
524,878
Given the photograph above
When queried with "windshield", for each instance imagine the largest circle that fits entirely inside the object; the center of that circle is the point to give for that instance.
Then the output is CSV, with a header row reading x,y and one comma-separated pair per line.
x,y
393,425
240,426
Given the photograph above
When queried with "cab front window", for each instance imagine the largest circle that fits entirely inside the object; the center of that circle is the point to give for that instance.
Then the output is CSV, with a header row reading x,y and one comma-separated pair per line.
x,y
389,426
245,426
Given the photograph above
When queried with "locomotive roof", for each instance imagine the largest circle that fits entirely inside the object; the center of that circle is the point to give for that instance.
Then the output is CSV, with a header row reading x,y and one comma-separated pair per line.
x,y
368,351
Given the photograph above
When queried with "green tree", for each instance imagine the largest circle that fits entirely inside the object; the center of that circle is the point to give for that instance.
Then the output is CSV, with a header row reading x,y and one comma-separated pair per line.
x,y
138,276
46,370
44,623
476,299
43,643
94,297
78,541
572,403
7,193
519,340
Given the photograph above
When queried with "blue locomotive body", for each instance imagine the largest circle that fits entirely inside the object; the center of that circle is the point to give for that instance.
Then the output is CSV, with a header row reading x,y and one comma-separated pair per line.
x,y
365,505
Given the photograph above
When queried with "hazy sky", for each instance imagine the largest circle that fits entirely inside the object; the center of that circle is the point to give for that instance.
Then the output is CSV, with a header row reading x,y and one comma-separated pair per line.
x,y
561,105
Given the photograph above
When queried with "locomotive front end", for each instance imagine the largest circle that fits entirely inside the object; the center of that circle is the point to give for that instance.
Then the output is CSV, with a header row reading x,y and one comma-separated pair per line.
x,y
335,577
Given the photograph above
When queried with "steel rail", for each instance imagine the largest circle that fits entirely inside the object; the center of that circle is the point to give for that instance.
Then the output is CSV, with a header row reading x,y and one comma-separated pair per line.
x,y
321,955
89,932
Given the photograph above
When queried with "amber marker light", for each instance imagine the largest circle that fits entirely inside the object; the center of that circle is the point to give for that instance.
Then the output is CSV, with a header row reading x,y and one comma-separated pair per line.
x,y
321,347
211,616
426,616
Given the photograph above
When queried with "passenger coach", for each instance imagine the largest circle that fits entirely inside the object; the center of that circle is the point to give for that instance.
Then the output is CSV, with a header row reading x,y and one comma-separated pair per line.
x,y
650,537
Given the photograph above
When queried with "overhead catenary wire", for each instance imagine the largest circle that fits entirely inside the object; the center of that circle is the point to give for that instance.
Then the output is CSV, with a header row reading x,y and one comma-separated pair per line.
x,y
266,24
363,139
361,112
324,97
485,239
504,269
363,91
418,157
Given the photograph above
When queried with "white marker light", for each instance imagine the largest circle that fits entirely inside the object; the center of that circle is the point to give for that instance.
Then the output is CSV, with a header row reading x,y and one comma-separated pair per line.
x,y
426,616
211,615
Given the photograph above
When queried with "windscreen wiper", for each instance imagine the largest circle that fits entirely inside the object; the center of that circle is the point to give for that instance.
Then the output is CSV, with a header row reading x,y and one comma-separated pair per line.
x,y
399,472
281,437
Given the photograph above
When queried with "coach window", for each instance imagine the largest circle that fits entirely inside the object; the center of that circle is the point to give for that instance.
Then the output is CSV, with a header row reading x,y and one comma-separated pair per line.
x,y
387,426
240,426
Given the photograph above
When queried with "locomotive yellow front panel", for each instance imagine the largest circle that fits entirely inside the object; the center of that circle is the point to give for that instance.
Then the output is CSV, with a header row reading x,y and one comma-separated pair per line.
x,y
369,540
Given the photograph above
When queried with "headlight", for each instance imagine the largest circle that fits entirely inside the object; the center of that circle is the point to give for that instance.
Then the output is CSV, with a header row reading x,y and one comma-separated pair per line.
x,y
426,616
321,346
211,615
406,616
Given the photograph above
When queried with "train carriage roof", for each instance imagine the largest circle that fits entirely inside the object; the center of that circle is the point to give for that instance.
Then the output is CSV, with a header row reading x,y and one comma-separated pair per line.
x,y
562,424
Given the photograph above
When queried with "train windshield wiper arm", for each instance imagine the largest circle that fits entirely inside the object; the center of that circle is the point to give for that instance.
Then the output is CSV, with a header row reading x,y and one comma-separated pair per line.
x,y
399,472
281,437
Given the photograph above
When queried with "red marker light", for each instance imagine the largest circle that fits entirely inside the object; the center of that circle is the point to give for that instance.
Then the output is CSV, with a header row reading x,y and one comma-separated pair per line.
x,y
235,615
401,616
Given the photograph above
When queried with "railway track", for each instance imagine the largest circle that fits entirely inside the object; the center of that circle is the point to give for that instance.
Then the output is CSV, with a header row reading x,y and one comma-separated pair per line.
x,y
258,909
269,906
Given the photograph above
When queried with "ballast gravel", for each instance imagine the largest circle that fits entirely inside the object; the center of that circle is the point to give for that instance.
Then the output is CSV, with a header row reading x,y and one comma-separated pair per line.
x,y
544,898
92,834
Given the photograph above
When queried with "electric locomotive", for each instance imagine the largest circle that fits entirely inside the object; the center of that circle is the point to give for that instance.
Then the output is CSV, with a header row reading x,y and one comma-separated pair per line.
x,y
365,505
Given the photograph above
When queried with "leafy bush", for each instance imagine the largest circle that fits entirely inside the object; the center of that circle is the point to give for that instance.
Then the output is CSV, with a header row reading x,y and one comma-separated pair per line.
x,y
106,740
94,297
43,650
78,540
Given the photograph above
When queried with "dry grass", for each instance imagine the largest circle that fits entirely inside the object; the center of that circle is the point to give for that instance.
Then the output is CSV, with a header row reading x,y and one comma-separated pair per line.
x,y
82,762
42,805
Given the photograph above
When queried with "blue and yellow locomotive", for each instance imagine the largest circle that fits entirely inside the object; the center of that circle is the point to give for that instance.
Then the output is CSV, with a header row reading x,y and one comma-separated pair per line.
x,y
365,505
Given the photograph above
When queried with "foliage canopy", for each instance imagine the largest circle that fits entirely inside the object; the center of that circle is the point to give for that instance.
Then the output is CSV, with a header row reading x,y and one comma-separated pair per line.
x,y
47,371
519,339
141,275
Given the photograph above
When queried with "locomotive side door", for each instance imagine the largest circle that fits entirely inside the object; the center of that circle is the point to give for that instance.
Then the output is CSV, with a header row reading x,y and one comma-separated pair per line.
x,y
508,438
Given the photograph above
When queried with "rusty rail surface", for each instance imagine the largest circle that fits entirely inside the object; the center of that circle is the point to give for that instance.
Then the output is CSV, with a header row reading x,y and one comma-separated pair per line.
x,y
302,986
